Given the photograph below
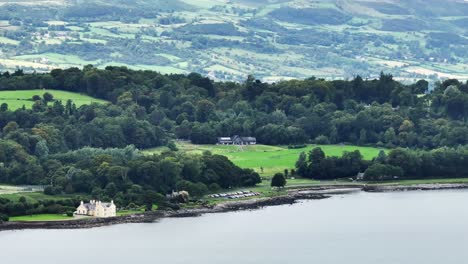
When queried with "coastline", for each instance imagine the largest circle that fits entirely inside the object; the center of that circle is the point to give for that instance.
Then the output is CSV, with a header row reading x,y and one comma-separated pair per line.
x,y
293,196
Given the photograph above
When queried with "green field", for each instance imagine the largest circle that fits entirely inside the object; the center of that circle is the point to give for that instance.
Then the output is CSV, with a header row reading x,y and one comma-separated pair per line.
x,y
271,158
40,217
33,197
427,181
129,212
16,99
6,189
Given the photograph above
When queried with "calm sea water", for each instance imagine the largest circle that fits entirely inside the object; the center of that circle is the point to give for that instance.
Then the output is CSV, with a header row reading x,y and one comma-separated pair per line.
x,y
362,228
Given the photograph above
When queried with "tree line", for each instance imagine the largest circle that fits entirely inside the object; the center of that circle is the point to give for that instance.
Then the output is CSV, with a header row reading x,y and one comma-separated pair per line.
x,y
149,108
397,164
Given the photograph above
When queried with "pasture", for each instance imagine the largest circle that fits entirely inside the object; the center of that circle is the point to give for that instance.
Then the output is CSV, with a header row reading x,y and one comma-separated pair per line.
x,y
16,99
271,158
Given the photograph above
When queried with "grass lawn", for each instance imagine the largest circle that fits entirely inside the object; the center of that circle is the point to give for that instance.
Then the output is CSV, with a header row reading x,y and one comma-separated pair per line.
x,y
426,181
16,99
8,189
297,182
40,217
129,212
33,197
272,158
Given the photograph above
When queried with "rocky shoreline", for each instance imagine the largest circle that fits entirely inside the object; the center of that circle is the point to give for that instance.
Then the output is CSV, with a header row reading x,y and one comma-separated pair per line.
x,y
293,196
149,217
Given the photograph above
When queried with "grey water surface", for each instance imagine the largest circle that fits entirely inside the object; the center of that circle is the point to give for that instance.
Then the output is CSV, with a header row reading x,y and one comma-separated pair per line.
x,y
362,228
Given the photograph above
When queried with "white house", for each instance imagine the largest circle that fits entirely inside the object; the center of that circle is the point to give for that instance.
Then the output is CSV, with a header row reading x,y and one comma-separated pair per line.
x,y
97,209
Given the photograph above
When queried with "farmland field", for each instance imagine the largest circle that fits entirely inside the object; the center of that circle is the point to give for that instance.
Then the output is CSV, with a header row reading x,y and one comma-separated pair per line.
x,y
271,158
16,99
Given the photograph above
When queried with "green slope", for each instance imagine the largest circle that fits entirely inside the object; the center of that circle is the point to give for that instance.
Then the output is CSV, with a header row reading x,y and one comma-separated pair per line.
x,y
271,158
16,99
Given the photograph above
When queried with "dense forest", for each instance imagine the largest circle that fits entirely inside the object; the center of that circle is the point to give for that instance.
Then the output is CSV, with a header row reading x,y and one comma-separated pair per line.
x,y
93,149
398,164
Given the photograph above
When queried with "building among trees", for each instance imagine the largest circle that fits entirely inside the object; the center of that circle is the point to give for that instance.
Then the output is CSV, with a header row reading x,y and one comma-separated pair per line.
x,y
225,141
97,209
237,140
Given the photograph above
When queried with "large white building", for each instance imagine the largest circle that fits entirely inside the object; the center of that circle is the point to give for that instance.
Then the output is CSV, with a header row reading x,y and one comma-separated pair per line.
x,y
97,209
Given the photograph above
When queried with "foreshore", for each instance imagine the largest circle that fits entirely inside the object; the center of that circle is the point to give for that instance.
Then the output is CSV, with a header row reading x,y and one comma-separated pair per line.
x,y
293,196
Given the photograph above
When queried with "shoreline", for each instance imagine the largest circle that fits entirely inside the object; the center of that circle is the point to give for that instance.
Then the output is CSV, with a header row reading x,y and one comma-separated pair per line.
x,y
293,196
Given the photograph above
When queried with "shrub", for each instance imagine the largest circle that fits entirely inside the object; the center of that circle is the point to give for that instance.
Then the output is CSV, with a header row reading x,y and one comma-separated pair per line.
x,y
322,140
278,180
52,190
48,97
297,146
172,146
214,187
4,218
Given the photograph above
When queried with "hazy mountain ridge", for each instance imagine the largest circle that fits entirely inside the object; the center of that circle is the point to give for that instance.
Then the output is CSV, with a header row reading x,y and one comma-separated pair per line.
x,y
231,39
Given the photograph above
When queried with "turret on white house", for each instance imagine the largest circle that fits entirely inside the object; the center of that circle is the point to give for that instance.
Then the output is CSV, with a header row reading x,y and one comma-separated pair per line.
x,y
97,209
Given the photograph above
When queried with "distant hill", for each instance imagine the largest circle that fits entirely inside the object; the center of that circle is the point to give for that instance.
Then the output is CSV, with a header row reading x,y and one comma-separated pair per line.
x,y
227,40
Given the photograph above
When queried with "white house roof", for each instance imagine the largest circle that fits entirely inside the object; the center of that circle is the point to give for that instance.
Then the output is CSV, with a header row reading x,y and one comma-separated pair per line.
x,y
92,206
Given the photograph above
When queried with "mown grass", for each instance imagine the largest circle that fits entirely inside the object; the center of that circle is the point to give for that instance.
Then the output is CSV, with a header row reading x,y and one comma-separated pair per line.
x,y
34,197
40,217
425,181
7,189
271,158
129,212
16,99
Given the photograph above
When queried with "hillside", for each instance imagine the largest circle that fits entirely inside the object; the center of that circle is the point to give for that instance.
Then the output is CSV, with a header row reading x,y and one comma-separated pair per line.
x,y
93,150
227,40
266,160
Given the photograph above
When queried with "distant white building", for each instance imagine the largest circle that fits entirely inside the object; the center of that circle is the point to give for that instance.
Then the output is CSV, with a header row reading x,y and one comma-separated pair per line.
x,y
225,141
97,209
